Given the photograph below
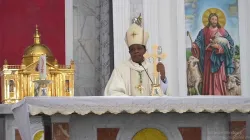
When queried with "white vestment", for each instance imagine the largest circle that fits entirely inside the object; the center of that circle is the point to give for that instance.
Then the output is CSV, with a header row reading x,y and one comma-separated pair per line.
x,y
126,78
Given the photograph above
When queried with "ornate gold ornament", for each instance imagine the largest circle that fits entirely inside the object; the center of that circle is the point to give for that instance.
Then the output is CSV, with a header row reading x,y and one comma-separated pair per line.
x,y
17,80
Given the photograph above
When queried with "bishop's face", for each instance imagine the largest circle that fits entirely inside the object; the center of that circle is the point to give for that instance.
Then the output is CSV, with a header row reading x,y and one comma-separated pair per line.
x,y
136,52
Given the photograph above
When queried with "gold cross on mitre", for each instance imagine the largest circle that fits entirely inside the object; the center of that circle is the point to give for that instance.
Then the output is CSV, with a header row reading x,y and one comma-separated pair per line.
x,y
133,34
157,56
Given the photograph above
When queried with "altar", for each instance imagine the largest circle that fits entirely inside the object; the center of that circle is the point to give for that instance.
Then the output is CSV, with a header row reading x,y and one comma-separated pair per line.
x,y
126,118
75,110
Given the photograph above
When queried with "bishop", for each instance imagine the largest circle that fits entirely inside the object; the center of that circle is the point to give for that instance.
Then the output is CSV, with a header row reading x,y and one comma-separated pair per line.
x,y
134,76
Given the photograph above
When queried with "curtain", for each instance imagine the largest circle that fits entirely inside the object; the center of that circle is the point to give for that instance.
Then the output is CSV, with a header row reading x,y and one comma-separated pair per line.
x,y
17,27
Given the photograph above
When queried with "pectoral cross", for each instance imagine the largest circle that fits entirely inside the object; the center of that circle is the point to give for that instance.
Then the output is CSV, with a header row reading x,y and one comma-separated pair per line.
x,y
156,55
140,88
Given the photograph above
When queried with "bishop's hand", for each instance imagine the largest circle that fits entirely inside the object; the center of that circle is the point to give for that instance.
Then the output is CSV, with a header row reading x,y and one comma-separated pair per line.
x,y
161,69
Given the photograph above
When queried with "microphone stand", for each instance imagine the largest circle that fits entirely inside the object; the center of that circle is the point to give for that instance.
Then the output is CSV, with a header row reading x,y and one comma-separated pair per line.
x,y
155,88
146,73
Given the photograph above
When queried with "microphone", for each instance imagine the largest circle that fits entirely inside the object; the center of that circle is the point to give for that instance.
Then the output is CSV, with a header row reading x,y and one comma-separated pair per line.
x,y
146,72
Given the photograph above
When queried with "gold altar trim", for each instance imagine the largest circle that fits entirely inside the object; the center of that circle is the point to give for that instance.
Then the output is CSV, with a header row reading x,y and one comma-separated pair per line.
x,y
17,80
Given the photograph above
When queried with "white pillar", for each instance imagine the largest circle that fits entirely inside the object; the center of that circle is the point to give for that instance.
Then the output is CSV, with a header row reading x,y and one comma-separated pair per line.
x,y
150,21
121,22
167,29
68,31
181,45
244,33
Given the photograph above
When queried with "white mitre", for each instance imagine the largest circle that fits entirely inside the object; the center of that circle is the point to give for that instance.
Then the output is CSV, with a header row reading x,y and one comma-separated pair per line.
x,y
136,35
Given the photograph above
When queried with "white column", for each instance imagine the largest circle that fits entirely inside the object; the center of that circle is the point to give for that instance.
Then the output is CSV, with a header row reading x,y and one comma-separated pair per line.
x,y
136,7
68,31
150,21
244,33
121,22
168,40
181,45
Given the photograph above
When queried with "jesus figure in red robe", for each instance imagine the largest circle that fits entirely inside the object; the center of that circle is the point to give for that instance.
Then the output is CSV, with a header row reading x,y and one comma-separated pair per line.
x,y
216,61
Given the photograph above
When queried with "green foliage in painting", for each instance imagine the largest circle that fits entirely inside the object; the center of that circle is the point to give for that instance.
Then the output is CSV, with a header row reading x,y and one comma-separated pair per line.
x,y
188,54
237,52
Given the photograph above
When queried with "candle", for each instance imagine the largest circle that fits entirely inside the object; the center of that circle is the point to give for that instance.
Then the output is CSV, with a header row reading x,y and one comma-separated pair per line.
x,y
42,67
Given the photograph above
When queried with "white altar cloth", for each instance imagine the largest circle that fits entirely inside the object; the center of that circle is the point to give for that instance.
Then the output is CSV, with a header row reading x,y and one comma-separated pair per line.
x,y
5,109
108,104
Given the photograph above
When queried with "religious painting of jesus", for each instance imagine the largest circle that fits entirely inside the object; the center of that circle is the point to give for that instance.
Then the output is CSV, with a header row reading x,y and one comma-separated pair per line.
x,y
212,47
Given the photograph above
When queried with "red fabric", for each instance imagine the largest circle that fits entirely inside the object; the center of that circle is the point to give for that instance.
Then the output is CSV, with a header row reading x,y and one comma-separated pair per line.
x,y
196,51
213,83
190,133
17,26
107,133
237,130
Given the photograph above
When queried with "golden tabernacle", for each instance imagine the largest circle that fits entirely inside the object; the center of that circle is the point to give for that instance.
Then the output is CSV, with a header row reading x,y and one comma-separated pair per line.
x,y
17,80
